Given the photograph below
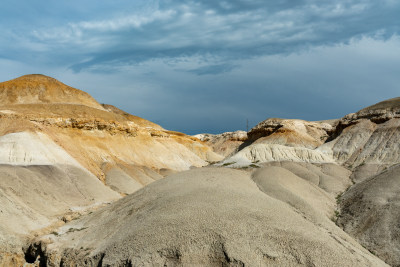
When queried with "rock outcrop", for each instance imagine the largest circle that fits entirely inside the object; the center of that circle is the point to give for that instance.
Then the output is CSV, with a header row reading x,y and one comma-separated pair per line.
x,y
226,143
378,113
367,137
290,132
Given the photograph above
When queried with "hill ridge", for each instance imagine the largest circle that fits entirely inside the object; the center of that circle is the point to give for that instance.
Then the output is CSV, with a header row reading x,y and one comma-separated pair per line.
x,y
42,89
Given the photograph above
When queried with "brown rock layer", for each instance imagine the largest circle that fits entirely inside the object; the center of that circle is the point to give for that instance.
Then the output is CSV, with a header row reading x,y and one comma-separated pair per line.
x,y
291,132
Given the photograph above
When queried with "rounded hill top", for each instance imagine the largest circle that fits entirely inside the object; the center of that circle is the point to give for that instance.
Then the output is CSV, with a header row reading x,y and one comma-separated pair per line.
x,y
41,89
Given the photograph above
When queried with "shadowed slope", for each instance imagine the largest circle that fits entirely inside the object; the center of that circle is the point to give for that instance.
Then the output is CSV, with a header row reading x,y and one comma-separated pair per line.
x,y
370,212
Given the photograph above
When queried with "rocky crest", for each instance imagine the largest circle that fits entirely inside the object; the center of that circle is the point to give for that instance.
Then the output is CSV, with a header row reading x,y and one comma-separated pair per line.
x,y
292,132
378,113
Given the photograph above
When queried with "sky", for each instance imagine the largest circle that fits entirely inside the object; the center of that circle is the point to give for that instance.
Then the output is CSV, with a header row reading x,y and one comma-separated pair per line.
x,y
206,65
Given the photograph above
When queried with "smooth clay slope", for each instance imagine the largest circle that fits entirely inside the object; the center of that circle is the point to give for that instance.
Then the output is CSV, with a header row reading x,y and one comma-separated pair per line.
x,y
370,211
210,217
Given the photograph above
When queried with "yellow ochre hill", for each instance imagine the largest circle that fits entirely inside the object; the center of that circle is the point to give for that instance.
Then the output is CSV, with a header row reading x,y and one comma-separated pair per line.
x,y
37,88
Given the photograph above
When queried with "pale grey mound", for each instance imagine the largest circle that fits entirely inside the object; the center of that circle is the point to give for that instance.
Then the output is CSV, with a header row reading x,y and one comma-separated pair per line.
x,y
367,170
305,197
121,182
35,197
202,217
331,177
370,211
126,179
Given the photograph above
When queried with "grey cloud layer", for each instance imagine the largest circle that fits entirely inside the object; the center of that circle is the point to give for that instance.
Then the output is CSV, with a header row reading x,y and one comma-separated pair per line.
x,y
218,30
198,66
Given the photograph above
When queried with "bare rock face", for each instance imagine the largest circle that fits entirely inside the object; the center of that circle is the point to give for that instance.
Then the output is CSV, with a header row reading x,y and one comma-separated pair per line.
x,y
139,121
225,143
369,136
296,133
378,113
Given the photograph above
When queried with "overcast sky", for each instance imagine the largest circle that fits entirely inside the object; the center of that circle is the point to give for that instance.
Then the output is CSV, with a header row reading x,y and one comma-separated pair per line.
x,y
208,66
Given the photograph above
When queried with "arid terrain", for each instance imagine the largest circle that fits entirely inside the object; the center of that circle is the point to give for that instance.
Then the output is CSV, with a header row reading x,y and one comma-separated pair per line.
x,y
87,184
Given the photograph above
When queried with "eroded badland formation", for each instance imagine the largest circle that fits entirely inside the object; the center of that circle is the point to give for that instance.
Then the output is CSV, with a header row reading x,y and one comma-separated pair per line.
x,y
86,184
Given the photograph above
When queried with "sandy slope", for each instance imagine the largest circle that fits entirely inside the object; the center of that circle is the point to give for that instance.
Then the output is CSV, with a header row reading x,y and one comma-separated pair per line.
x,y
32,198
26,148
330,177
211,217
40,183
